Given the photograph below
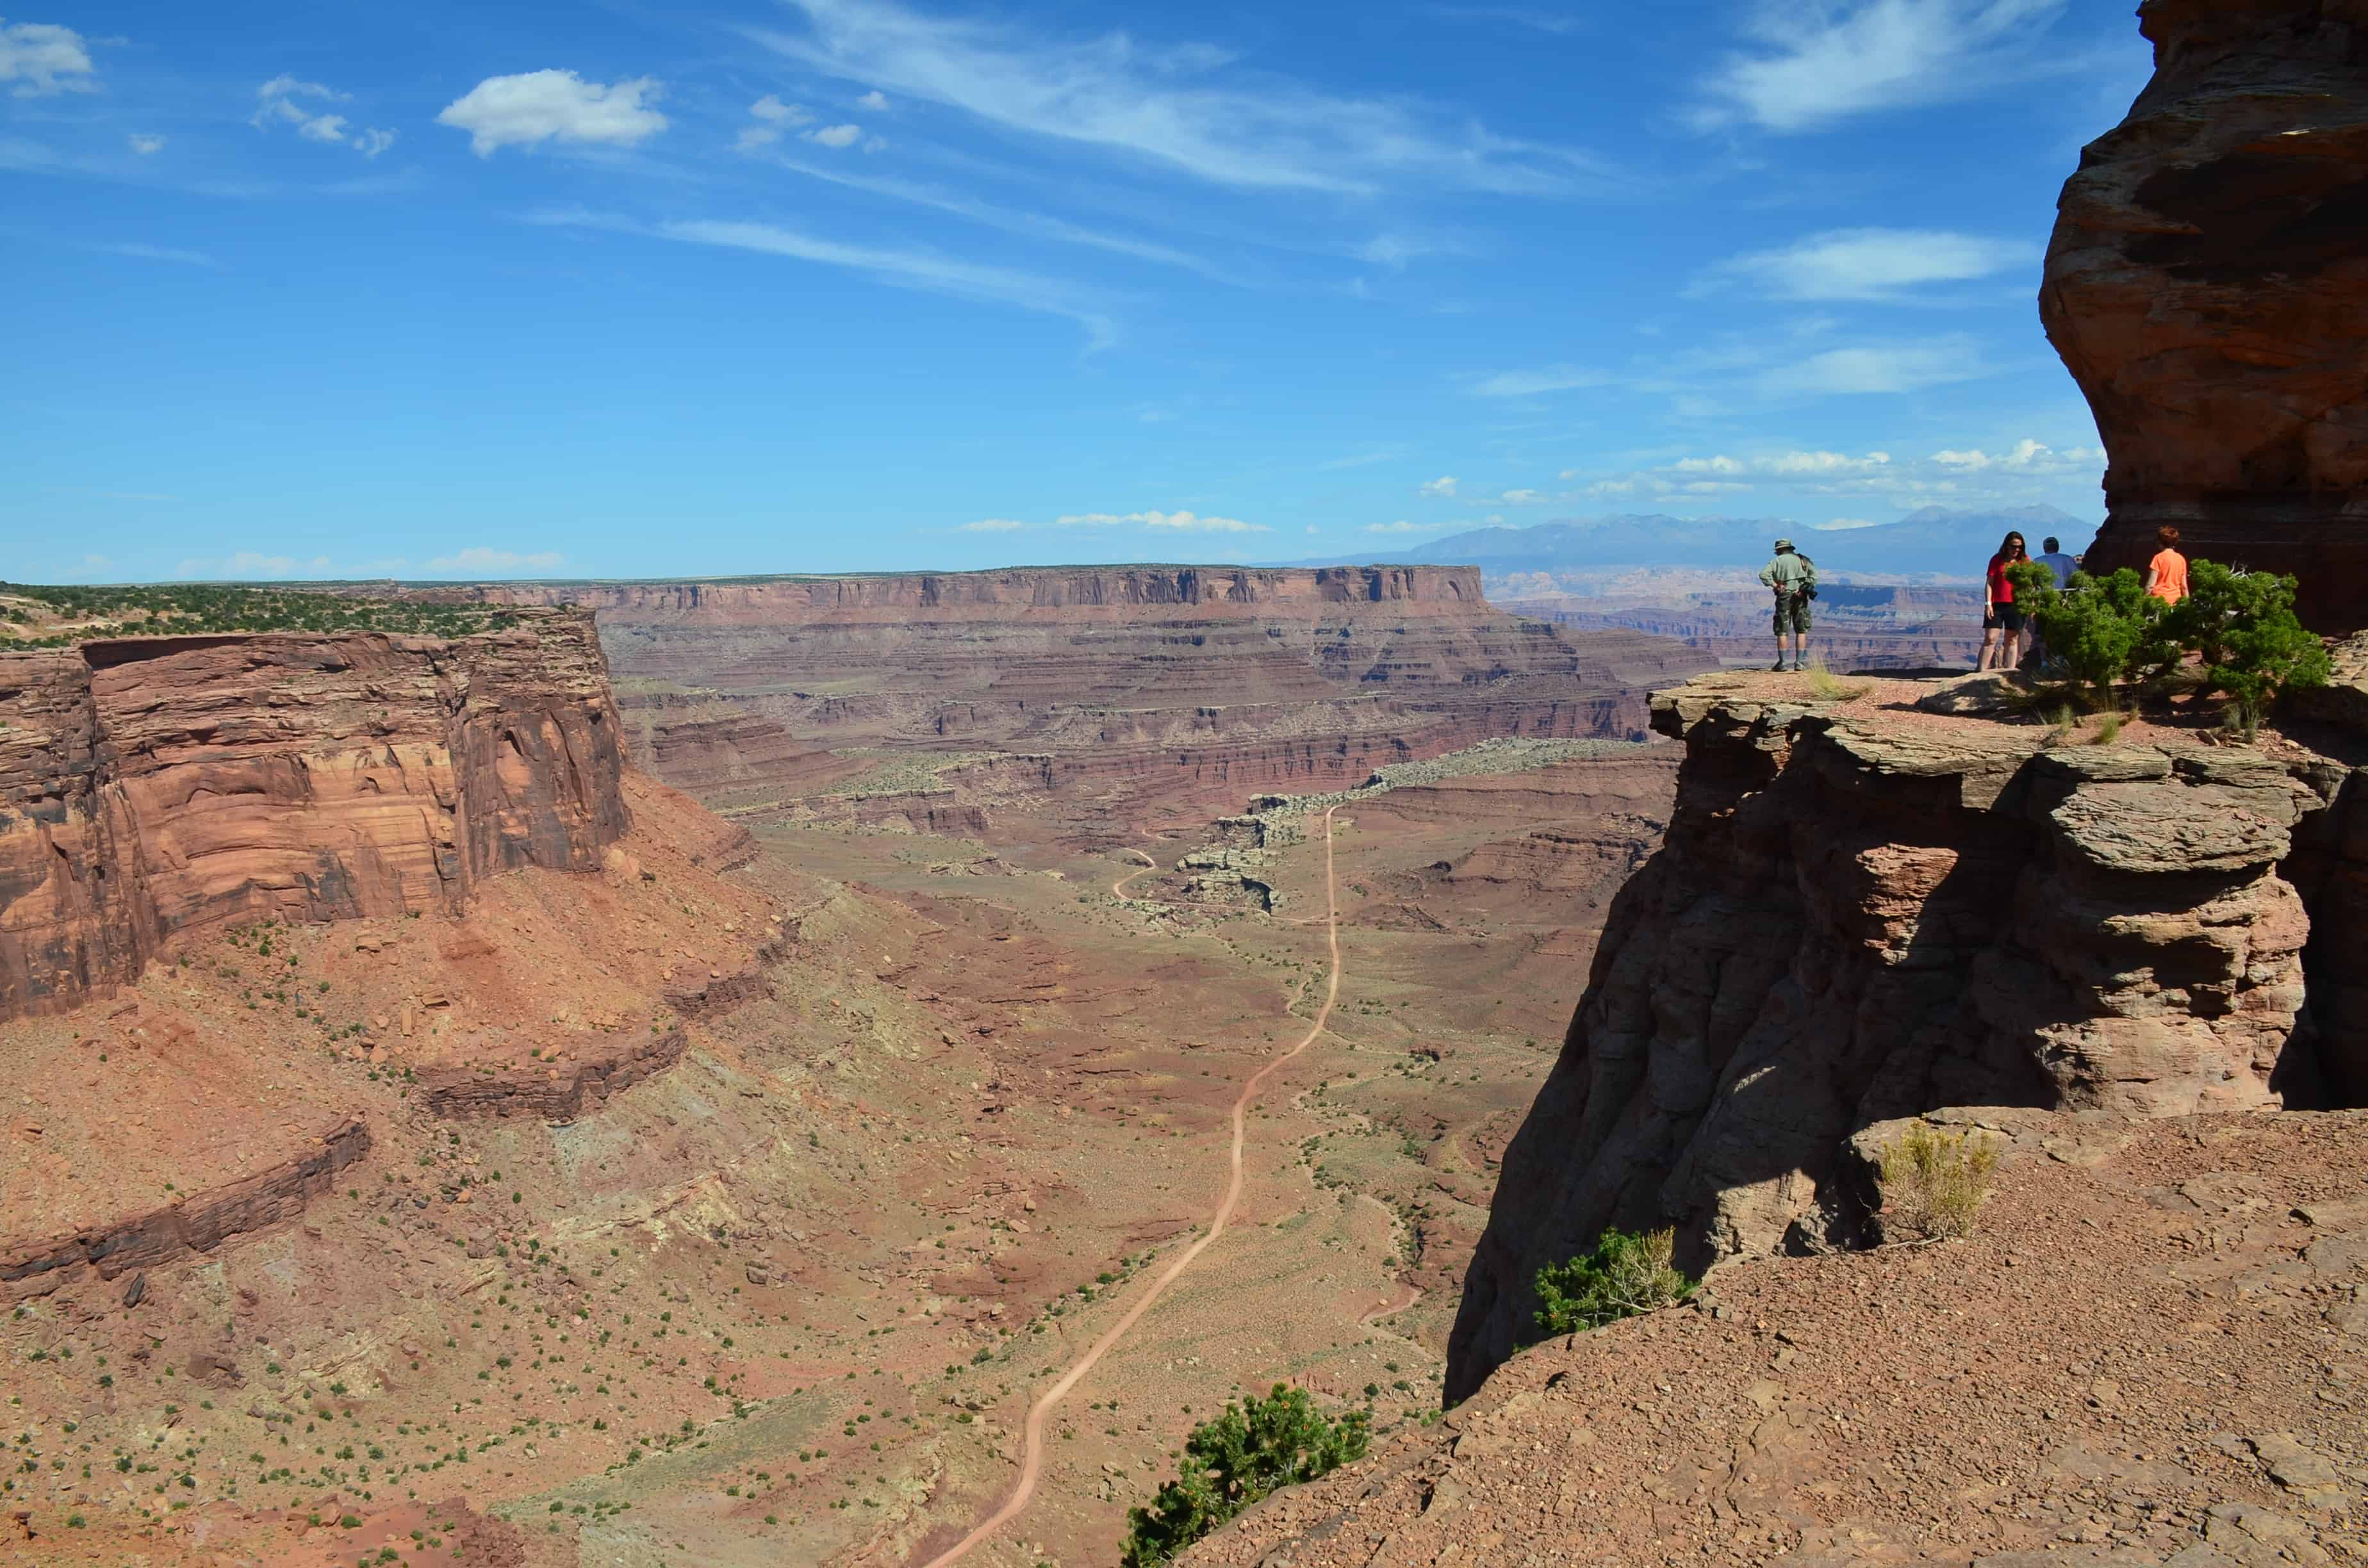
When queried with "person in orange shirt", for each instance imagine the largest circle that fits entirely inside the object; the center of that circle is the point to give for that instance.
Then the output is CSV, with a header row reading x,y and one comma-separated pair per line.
x,y
2166,573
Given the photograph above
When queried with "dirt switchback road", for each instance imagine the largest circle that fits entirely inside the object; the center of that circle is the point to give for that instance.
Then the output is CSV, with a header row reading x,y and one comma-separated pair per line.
x,y
1031,1461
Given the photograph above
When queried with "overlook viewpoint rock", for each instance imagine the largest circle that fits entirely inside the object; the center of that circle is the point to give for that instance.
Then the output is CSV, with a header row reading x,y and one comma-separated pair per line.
x,y
1862,913
2207,286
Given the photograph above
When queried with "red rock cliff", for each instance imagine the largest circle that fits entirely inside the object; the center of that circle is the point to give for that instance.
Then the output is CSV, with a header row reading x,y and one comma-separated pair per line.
x,y
154,787
2208,287
1858,917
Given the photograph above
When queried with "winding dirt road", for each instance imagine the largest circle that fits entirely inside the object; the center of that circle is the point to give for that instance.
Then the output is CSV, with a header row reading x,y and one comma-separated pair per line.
x,y
1031,1463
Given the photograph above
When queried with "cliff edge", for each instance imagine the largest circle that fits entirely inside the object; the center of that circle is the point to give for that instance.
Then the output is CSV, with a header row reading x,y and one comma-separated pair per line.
x,y
1864,911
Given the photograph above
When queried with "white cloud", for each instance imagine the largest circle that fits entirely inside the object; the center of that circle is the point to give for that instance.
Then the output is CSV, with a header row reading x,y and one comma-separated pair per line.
x,y
1443,487
874,100
1707,465
535,107
773,117
1157,522
2026,456
1529,383
1877,263
837,135
145,144
1403,527
1843,524
1523,498
1877,367
40,59
1169,104
278,103
1819,60
478,559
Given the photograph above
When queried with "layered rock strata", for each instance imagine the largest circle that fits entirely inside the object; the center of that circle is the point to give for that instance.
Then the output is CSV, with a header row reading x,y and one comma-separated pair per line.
x,y
2207,286
155,788
547,1093
1859,914
198,1223
1183,688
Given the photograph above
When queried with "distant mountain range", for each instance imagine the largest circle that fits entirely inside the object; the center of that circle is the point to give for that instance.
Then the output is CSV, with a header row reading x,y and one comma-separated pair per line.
x,y
1934,542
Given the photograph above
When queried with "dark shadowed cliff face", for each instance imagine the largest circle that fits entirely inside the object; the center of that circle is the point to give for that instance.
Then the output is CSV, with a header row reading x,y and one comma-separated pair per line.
x,y
2208,287
154,787
1861,914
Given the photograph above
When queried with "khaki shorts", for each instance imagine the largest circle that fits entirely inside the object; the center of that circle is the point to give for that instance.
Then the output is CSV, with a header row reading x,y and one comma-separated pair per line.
x,y
1791,613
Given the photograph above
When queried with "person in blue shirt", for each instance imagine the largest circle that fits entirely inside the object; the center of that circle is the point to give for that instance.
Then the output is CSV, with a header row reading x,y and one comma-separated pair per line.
x,y
2052,556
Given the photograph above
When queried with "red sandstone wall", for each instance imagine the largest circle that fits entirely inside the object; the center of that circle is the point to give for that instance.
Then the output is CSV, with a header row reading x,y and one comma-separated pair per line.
x,y
153,788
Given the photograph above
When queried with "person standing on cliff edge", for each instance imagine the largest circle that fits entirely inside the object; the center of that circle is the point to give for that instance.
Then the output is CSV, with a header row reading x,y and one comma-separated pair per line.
x,y
1794,576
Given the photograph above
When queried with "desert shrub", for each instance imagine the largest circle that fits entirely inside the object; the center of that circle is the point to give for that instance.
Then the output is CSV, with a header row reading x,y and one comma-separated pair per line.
x,y
1628,1273
2242,624
2102,629
1248,1451
1934,1183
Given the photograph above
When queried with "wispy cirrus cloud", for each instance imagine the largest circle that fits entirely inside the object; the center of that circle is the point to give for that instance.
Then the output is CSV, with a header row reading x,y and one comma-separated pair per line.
x,y
1534,383
40,59
1183,107
924,270
1873,265
1150,522
1812,63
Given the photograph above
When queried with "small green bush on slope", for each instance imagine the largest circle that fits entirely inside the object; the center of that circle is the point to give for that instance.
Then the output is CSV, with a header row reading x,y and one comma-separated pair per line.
x,y
1251,1449
1626,1274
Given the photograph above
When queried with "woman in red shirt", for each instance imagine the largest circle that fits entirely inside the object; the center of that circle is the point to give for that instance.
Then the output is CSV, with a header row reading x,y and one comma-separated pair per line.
x,y
2001,621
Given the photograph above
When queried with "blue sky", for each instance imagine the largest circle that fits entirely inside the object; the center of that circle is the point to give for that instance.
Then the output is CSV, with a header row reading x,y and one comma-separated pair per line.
x,y
829,285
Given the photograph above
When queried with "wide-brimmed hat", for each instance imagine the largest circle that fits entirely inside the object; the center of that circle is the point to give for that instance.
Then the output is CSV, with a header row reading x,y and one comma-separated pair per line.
x,y
1783,544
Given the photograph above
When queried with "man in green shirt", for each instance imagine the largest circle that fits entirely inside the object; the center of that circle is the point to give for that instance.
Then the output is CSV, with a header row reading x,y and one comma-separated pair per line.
x,y
1794,576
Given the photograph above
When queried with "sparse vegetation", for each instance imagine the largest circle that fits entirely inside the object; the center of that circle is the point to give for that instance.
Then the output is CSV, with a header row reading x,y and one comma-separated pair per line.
x,y
1629,1272
1249,1450
69,616
2103,632
1826,687
1934,1183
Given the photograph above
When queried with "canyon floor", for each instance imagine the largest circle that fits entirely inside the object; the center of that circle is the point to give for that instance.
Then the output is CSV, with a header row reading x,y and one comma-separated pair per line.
x,y
772,1266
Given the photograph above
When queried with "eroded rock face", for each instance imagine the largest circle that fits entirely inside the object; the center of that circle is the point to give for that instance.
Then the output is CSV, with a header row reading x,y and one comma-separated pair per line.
x,y
2208,287
154,787
1863,916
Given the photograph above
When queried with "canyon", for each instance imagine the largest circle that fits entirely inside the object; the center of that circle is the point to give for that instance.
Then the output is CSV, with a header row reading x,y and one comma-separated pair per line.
x,y
379,1029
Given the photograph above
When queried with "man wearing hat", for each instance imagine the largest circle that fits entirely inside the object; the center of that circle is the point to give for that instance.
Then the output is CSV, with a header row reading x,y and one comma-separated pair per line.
x,y
1794,576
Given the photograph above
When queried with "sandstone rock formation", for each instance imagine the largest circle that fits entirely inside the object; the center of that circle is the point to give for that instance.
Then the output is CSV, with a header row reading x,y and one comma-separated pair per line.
x,y
199,1222
155,787
1863,913
2208,287
1186,689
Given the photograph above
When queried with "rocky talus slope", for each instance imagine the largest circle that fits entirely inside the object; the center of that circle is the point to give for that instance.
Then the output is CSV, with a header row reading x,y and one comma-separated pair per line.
x,y
1864,911
152,790
2208,287
2155,1351
931,701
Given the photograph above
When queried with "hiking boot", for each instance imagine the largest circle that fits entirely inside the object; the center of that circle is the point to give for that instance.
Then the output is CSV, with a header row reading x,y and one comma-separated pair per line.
x,y
1777,669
